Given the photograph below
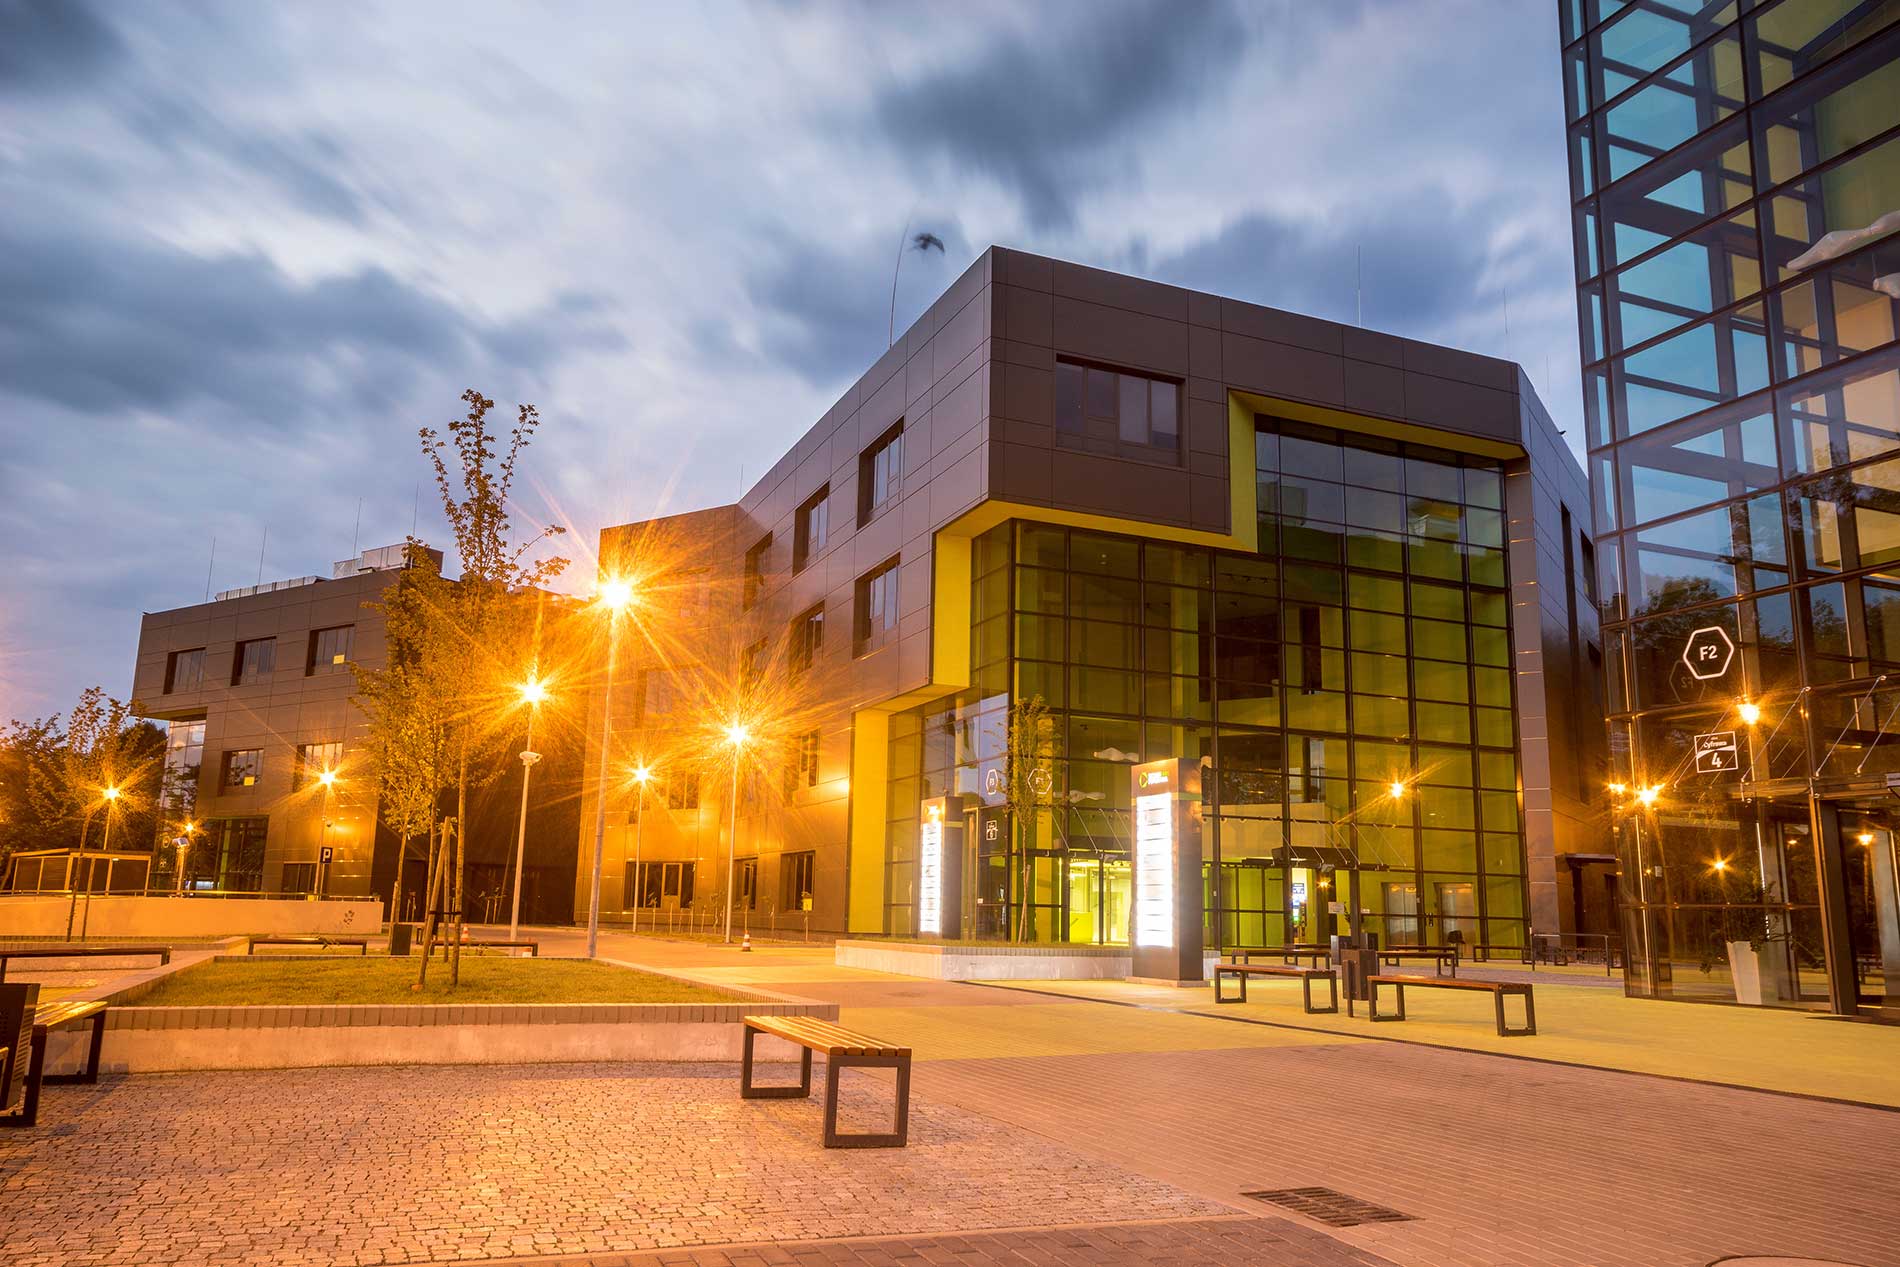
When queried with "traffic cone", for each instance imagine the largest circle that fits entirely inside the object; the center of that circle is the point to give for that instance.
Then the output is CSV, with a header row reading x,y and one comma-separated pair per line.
x,y
745,943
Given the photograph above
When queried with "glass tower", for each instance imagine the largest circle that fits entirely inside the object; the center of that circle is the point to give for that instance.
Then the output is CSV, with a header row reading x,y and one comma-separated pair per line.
x,y
1736,175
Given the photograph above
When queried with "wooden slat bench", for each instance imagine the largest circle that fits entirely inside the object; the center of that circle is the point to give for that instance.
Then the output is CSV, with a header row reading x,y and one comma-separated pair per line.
x,y
164,953
1290,954
1241,971
842,1049
532,947
46,1018
361,943
1442,957
1497,990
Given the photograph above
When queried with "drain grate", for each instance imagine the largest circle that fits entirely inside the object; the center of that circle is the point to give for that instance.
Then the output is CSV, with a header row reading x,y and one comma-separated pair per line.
x,y
1335,1209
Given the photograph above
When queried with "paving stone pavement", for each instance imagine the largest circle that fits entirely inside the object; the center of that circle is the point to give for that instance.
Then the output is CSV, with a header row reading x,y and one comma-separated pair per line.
x,y
293,1168
1228,1242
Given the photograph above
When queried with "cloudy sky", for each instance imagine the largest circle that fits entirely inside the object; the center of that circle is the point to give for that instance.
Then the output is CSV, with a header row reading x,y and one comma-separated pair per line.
x,y
246,250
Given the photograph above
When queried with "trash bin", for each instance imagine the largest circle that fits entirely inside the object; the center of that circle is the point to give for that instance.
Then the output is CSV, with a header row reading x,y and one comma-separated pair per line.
x,y
399,935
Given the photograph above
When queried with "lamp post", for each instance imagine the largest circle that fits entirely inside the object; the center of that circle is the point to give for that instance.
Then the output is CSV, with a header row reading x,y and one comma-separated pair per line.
x,y
615,595
736,735
111,795
327,780
184,851
532,693
642,775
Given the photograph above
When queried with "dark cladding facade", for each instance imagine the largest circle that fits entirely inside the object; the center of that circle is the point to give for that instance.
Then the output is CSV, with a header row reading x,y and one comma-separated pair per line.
x,y
1736,175
1320,561
256,691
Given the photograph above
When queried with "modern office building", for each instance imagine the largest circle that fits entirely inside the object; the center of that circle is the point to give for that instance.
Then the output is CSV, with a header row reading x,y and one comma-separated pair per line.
x,y
256,691
1346,573
1736,175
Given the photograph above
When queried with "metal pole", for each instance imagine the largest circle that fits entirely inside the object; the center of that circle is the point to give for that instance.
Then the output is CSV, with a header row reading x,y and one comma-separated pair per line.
x,y
732,834
86,919
528,758
639,876
600,790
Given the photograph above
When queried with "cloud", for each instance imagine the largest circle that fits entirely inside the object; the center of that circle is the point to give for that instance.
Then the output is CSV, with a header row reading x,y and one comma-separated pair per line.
x,y
1033,106
52,45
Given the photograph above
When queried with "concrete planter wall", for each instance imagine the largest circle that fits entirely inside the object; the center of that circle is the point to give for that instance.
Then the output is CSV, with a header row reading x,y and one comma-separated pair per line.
x,y
169,917
156,1039
951,962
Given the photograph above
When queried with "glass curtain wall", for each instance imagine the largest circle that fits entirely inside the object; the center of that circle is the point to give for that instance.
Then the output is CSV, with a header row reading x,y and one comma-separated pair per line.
x,y
1349,686
1736,175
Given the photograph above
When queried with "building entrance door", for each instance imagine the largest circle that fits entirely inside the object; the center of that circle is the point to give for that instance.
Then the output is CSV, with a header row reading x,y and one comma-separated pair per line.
x,y
1871,866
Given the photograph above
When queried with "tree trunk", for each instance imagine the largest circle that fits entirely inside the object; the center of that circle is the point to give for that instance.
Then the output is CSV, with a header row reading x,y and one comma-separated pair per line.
x,y
395,889
438,843
461,860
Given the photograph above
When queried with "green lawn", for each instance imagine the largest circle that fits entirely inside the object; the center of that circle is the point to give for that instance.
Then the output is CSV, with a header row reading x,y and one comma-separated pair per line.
x,y
294,983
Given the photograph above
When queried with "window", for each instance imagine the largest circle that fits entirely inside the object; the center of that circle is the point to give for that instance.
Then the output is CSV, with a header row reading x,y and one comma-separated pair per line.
x,y
230,856
242,766
755,570
802,769
877,607
1111,411
329,649
880,473
682,791
795,871
748,883
752,663
689,593
253,661
185,670
298,877
808,637
184,753
313,759
657,687
811,527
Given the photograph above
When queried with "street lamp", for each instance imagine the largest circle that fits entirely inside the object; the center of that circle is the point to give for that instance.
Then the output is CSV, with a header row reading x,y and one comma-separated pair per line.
x,y
532,693
614,596
1750,712
736,735
642,775
184,849
110,795
327,781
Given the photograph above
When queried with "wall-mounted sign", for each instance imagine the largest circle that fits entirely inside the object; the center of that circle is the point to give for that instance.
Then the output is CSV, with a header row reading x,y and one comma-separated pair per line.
x,y
1299,894
1154,869
930,872
326,854
1715,752
1708,652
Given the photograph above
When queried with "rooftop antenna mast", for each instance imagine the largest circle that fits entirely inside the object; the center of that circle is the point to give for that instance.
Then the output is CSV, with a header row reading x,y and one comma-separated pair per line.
x,y
260,554
212,564
356,530
1359,288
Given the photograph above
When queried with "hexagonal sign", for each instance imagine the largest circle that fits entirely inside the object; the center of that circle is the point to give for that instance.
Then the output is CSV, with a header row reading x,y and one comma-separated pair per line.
x,y
1708,652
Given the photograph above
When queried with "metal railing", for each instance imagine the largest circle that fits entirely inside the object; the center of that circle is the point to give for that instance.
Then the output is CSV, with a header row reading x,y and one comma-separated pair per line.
x,y
1560,949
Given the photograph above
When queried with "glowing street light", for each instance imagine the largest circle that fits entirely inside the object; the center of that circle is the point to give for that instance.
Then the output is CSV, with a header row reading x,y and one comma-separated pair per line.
x,y
1750,712
1647,796
736,734
641,775
109,796
184,849
532,693
614,596
1397,789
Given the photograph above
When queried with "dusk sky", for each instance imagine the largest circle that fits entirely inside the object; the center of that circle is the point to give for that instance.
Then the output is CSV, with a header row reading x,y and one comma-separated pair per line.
x,y
247,250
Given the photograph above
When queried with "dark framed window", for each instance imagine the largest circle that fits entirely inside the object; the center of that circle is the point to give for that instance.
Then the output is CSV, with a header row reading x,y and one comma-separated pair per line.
x,y
298,877
185,670
877,607
795,874
755,570
880,473
253,661
233,853
802,769
329,649
808,638
748,883
811,528
313,759
241,769
752,666
682,791
1103,410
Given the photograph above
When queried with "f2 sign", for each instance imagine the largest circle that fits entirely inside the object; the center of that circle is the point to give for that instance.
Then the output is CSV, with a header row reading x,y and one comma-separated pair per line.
x,y
1708,653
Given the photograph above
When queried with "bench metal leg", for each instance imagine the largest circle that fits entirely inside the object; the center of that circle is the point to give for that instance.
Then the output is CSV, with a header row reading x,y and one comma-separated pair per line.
x,y
1372,1003
900,1133
29,1111
1530,1018
1219,997
90,1074
1332,992
749,1092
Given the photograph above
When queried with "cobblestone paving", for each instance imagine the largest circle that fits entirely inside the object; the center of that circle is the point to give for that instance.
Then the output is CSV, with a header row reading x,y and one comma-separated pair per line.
x,y
399,1165
1229,1242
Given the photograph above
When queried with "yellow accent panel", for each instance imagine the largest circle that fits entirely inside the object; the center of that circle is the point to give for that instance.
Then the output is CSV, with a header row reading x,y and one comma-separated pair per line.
x,y
870,771
950,613
1367,425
